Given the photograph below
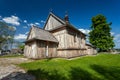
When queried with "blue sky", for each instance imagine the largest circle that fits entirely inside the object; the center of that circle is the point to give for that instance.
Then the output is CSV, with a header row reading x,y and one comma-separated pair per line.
x,y
23,13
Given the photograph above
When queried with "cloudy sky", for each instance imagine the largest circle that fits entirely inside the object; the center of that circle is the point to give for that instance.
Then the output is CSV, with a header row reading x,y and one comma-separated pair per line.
x,y
23,13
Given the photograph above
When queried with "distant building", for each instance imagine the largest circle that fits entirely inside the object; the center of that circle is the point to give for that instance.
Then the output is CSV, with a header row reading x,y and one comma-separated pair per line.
x,y
58,38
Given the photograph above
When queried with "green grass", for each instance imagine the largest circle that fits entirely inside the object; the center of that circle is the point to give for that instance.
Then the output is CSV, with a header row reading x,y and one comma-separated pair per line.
x,y
99,67
11,56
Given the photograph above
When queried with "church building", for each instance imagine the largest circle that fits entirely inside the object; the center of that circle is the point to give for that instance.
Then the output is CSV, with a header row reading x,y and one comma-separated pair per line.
x,y
58,38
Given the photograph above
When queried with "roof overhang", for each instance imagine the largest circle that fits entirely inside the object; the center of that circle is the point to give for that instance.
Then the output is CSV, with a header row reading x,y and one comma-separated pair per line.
x,y
34,39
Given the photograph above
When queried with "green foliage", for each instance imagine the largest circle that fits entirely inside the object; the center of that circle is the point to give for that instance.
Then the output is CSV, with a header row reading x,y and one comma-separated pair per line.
x,y
99,67
21,46
6,34
100,35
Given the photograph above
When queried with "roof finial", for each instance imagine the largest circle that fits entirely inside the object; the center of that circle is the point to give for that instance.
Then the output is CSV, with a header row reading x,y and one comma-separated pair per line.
x,y
51,9
66,12
66,17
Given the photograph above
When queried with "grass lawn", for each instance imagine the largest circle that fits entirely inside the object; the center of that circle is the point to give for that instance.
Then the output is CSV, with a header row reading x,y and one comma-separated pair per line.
x,y
99,67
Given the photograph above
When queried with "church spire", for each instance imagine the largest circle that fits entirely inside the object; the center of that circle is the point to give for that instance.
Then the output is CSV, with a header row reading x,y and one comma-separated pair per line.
x,y
66,18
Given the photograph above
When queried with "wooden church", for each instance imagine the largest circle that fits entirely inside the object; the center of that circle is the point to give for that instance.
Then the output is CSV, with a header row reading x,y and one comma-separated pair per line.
x,y
58,38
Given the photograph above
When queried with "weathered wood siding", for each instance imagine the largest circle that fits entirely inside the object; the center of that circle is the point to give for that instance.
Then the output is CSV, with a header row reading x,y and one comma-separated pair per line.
x,y
52,23
75,40
61,37
31,34
90,50
42,49
71,43
71,53
38,49
52,50
30,50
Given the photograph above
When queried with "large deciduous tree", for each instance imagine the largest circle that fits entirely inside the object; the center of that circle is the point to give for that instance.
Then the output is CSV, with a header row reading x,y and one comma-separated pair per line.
x,y
6,35
100,35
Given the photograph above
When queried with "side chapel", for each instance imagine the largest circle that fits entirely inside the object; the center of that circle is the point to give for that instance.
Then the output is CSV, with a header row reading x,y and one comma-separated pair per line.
x,y
58,38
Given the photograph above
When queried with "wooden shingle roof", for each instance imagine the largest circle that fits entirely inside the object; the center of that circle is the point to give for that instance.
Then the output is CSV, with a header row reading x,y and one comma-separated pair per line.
x,y
41,34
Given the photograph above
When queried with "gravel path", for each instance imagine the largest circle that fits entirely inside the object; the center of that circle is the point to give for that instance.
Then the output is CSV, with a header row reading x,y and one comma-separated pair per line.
x,y
9,71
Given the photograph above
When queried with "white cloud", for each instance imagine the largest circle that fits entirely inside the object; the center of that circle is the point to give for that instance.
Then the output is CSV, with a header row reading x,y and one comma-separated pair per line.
x,y
14,20
20,37
85,31
117,37
117,40
34,24
31,24
26,33
37,23
25,21
112,33
42,21
25,27
0,17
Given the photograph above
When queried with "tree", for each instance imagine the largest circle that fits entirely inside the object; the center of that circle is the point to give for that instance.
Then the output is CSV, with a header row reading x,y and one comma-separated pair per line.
x,y
6,35
100,35
21,45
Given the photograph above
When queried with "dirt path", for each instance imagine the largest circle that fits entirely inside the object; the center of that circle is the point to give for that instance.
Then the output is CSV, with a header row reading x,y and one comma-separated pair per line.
x,y
9,71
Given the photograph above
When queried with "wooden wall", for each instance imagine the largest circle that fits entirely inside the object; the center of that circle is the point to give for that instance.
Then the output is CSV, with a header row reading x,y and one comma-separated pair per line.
x,y
42,49
37,49
68,38
71,53
90,50
75,39
52,23
30,50
61,37
71,43
31,34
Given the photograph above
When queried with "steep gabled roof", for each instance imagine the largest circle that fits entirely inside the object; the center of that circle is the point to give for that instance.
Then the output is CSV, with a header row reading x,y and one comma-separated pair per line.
x,y
56,17
41,34
71,26
63,22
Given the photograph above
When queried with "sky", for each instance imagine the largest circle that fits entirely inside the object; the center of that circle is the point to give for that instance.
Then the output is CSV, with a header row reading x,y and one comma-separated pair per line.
x,y
23,13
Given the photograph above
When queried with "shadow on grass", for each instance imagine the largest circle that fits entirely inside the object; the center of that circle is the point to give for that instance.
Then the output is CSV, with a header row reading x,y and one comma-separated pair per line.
x,y
76,73
109,73
80,74
47,75
73,74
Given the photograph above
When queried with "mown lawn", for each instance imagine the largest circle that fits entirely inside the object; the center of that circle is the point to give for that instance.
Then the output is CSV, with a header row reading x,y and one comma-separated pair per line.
x,y
99,67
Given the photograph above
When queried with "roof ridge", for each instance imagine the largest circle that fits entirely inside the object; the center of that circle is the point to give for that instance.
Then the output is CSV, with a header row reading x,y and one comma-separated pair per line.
x,y
57,16
36,27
